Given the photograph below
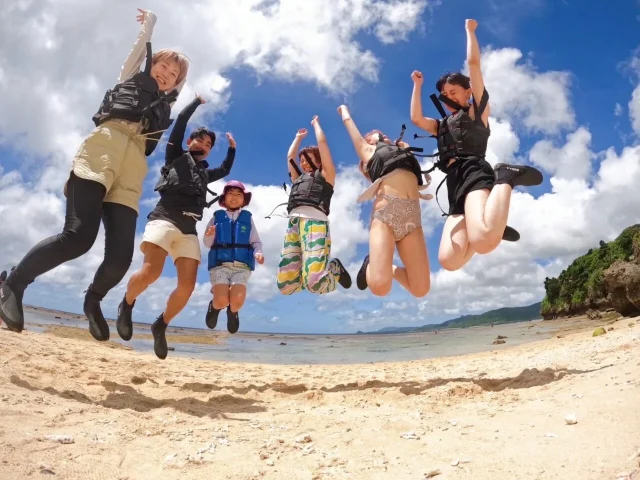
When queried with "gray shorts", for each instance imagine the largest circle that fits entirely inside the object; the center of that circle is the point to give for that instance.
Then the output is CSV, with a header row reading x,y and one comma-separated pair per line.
x,y
229,275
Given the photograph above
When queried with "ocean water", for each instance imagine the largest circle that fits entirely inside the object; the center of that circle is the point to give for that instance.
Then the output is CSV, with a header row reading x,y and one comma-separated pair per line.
x,y
323,349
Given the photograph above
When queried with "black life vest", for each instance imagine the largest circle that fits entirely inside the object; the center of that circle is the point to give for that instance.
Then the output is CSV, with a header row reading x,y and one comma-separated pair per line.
x,y
312,190
460,136
387,158
185,176
139,99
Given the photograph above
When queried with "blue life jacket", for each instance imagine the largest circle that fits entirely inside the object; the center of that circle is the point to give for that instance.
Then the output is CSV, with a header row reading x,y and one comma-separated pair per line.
x,y
232,240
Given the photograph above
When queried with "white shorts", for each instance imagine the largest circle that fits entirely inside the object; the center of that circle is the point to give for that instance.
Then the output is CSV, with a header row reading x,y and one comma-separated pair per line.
x,y
229,275
169,237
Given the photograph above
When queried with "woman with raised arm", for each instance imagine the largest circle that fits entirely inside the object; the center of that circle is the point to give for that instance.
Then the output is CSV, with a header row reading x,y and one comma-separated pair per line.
x,y
396,181
304,261
479,195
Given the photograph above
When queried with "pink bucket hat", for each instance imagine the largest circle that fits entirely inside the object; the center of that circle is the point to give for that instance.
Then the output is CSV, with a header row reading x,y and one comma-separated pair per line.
x,y
235,184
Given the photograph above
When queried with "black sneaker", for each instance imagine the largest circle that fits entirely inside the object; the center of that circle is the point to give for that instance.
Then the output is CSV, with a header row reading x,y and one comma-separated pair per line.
x,y
11,311
344,278
158,329
361,278
124,322
510,234
212,316
517,175
233,321
98,326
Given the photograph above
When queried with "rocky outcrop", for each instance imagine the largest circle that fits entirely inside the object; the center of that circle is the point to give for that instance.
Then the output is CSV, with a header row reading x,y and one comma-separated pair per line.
x,y
622,281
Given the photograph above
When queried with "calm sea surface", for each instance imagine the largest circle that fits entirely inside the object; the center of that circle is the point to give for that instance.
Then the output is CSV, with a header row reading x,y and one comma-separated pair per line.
x,y
325,349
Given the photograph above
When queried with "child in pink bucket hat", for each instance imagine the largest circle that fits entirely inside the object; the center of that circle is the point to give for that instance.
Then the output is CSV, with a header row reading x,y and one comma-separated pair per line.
x,y
235,247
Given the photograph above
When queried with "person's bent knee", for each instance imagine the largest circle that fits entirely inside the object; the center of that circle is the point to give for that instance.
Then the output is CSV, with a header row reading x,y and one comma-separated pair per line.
x,y
421,290
185,289
220,301
78,242
485,242
236,301
149,273
380,286
449,262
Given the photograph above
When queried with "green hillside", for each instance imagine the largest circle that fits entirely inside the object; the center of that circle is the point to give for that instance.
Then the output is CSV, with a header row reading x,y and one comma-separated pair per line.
x,y
496,317
581,285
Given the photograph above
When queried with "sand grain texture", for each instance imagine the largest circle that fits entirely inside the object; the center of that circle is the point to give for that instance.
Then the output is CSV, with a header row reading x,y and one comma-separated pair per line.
x,y
494,415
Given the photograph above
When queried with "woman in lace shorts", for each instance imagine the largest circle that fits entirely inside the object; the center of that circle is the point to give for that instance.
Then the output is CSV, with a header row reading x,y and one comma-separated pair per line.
x,y
395,217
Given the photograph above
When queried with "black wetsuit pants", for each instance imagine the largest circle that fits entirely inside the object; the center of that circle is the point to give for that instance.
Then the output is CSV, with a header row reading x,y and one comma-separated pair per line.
x,y
85,210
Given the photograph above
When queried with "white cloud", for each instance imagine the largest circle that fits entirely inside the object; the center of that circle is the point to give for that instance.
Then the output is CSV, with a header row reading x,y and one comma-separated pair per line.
x,y
571,161
518,92
617,111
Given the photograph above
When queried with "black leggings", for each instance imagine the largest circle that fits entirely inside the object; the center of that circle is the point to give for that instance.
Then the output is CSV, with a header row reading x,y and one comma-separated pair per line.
x,y
85,209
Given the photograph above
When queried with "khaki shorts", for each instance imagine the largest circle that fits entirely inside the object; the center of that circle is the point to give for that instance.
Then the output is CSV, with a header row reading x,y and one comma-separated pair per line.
x,y
169,237
113,155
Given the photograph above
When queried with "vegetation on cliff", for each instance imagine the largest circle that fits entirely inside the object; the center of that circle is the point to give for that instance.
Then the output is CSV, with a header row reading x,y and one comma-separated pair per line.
x,y
581,286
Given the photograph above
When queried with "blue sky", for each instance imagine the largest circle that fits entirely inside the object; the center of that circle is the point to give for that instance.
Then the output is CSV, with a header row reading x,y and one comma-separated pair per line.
x,y
592,43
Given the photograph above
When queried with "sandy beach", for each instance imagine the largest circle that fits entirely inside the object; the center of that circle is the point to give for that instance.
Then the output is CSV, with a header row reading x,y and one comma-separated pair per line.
x,y
491,415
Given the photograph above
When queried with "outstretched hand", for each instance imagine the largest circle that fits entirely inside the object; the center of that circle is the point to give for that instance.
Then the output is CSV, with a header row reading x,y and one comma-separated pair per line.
x,y
417,77
302,133
232,142
199,97
259,258
140,18
210,231
315,120
470,24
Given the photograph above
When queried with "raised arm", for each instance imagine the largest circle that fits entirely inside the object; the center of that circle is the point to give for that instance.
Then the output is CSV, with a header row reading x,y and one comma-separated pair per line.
x,y
425,123
225,167
293,152
137,54
328,168
174,145
475,73
363,149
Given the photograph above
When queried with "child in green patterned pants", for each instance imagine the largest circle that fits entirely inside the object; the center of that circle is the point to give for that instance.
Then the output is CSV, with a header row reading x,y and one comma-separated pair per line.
x,y
304,261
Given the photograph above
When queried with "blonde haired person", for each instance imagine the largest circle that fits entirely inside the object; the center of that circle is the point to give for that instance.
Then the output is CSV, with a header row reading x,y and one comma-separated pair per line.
x,y
105,183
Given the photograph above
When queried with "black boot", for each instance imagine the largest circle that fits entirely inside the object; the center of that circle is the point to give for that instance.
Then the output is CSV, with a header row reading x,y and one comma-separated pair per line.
x,y
124,322
158,330
11,305
517,175
510,234
98,326
233,321
212,316
344,278
361,278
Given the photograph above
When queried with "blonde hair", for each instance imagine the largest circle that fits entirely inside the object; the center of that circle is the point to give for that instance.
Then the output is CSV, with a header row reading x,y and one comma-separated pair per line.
x,y
168,55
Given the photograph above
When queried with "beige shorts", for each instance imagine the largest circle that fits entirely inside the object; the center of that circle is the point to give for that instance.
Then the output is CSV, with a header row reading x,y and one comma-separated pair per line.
x,y
113,155
169,237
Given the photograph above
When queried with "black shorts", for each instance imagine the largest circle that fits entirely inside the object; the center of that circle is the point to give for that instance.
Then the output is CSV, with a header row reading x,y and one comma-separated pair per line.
x,y
465,176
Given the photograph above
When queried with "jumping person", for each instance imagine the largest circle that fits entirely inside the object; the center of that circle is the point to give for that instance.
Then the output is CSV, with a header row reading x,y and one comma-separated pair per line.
x,y
235,248
396,182
171,229
479,195
304,261
106,180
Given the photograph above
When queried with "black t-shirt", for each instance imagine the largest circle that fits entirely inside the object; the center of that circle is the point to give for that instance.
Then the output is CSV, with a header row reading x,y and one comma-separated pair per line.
x,y
173,207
